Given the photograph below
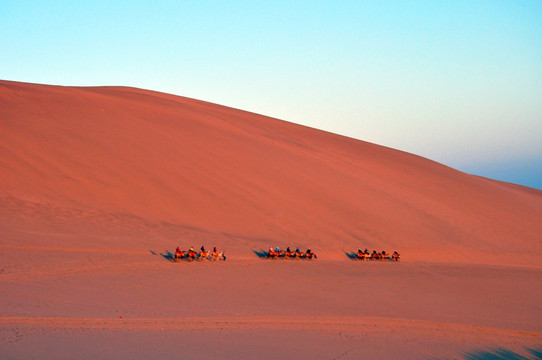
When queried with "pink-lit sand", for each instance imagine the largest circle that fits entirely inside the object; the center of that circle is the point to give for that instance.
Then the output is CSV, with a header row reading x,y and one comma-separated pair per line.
x,y
97,184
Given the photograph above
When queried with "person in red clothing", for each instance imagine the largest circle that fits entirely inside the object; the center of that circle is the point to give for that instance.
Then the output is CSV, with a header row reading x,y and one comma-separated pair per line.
x,y
179,254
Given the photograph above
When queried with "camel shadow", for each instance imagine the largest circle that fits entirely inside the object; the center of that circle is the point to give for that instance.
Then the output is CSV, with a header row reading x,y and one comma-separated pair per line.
x,y
262,254
351,255
503,354
168,256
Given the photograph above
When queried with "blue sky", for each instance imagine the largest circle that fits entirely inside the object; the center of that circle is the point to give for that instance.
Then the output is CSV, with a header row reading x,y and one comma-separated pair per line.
x,y
459,82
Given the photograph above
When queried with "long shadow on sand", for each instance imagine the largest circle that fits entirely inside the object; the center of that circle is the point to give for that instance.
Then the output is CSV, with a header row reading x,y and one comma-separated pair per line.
x,y
262,254
168,256
503,354
351,255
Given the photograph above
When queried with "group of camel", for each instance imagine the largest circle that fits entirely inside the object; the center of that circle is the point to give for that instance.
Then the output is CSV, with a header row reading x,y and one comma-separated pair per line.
x,y
365,255
289,254
203,254
277,253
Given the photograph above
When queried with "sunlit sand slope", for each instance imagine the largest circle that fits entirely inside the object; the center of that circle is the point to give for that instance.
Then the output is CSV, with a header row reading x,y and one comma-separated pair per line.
x,y
87,166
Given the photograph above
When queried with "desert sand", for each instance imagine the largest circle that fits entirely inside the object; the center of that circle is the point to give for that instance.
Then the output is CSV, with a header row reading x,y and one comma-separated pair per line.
x,y
98,184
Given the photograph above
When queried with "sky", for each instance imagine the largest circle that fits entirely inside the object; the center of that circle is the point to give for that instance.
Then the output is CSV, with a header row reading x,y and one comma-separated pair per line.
x,y
458,82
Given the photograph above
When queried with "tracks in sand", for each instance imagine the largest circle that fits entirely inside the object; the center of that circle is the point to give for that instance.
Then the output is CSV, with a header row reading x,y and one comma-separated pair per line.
x,y
302,323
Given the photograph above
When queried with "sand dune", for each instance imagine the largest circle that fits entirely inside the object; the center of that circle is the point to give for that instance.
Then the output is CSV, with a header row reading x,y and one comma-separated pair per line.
x,y
177,169
97,184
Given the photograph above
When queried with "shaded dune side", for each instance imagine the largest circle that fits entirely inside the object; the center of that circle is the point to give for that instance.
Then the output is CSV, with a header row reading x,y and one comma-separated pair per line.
x,y
160,167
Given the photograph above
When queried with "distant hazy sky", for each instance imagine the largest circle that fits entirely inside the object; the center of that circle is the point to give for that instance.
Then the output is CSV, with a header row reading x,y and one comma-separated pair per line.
x,y
459,82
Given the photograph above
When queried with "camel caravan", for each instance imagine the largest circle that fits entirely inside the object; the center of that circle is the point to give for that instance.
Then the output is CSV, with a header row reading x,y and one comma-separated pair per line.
x,y
191,254
277,253
365,255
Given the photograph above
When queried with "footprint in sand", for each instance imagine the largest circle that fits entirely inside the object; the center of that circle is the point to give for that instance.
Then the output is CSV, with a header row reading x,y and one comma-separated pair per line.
x,y
14,336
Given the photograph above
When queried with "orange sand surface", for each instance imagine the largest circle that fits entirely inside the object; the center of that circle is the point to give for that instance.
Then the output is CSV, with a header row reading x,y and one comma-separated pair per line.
x,y
98,184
